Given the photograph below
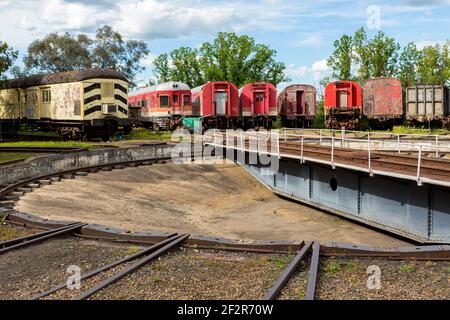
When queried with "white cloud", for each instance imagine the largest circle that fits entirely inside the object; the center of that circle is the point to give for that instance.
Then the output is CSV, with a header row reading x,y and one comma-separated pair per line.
x,y
170,19
424,43
73,16
308,41
317,70
320,69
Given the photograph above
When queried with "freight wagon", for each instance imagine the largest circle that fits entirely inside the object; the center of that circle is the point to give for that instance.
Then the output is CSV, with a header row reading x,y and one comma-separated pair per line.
x,y
428,105
297,105
215,105
343,104
160,106
258,104
76,104
383,102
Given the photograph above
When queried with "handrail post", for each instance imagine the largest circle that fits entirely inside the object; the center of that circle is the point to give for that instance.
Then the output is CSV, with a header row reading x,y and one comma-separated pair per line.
x,y
302,160
437,146
398,143
343,136
419,161
332,152
369,155
320,133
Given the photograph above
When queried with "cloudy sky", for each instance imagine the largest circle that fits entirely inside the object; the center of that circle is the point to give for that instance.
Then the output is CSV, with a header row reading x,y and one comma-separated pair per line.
x,y
302,32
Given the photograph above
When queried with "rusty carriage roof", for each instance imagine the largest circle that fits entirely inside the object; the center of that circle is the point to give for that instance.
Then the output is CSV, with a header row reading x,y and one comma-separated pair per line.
x,y
63,77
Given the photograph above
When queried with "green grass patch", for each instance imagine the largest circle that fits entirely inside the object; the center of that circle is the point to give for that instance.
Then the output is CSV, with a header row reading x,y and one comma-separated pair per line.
x,y
47,144
281,262
415,130
332,268
7,156
8,233
351,266
146,134
132,250
408,267
51,134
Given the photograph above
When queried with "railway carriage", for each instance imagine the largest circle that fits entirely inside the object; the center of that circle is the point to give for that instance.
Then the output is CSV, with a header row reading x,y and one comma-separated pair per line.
x,y
383,102
297,105
75,104
162,105
428,105
215,105
343,104
258,104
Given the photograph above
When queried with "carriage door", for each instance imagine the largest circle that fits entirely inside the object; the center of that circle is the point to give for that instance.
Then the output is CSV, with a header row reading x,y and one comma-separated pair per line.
x,y
221,103
258,98
342,99
300,102
46,99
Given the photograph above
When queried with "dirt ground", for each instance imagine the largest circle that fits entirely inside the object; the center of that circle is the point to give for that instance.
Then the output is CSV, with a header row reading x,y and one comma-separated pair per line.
x,y
223,201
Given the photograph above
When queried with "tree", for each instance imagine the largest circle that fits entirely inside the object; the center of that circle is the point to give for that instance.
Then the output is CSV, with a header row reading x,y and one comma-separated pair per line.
x,y
110,51
229,57
58,53
7,57
408,62
342,58
433,65
186,66
65,52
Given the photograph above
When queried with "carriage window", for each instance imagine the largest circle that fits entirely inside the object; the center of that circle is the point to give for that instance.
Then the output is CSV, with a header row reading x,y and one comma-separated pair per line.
x,y
107,90
139,103
77,108
186,100
175,99
147,103
164,101
46,96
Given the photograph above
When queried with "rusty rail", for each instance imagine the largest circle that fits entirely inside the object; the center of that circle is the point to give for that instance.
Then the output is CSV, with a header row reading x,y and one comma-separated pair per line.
x,y
109,266
132,268
36,238
287,273
313,269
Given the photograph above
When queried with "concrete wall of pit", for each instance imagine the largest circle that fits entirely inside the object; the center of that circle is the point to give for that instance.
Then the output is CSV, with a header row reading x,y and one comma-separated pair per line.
x,y
55,163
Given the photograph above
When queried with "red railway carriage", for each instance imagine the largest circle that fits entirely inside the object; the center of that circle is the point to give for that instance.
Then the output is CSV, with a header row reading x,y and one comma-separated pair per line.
x,y
258,104
161,105
297,105
258,99
217,103
383,100
343,104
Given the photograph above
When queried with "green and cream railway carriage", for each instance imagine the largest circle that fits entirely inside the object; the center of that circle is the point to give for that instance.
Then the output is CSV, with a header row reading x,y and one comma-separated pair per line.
x,y
75,103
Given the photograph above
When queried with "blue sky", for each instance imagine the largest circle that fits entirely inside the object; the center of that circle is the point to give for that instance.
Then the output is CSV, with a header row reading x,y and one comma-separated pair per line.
x,y
302,32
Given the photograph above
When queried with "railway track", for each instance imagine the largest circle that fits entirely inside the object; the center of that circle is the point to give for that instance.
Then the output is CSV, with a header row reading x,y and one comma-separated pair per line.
x,y
9,194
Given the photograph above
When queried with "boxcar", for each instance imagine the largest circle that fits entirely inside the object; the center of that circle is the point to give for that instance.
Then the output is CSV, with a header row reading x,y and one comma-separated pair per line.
x,y
428,104
297,105
343,104
76,103
161,105
258,104
383,101
217,104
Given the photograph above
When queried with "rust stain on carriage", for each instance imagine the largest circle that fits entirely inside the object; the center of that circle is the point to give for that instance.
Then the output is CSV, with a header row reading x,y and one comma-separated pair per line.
x,y
382,98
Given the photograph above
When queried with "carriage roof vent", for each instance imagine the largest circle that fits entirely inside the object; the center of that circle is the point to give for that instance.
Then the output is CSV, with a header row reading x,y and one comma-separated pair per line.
x,y
95,66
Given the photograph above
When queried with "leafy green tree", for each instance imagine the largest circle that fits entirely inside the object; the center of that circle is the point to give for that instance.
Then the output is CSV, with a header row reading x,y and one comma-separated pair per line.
x,y
342,58
7,57
65,52
433,65
408,62
376,57
229,57
57,53
186,66
161,68
110,51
